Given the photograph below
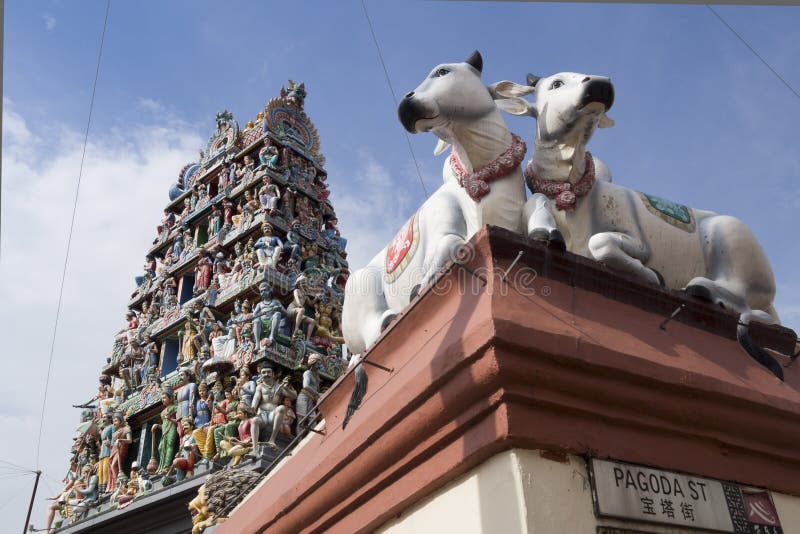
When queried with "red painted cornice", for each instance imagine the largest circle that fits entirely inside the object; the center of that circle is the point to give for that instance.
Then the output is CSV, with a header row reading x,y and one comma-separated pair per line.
x,y
569,361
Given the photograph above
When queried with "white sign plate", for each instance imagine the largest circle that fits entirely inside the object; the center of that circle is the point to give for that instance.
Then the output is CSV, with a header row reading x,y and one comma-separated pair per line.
x,y
629,491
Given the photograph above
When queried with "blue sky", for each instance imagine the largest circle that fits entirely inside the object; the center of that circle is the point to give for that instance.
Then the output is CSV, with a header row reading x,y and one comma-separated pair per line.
x,y
698,119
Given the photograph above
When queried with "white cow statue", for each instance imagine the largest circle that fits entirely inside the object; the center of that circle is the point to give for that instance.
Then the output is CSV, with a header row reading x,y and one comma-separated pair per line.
x,y
482,185
714,257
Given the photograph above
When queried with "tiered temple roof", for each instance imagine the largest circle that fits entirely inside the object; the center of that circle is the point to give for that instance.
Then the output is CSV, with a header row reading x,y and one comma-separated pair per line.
x,y
246,271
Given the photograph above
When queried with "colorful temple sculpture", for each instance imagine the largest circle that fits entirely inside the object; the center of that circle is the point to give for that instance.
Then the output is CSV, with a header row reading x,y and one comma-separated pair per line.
x,y
233,330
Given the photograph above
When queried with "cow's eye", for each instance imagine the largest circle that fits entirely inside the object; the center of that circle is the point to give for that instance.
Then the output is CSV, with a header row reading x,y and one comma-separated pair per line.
x,y
440,72
556,84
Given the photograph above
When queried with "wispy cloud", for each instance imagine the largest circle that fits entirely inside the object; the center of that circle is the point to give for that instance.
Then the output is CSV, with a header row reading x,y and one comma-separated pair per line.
x,y
150,104
371,208
124,186
49,22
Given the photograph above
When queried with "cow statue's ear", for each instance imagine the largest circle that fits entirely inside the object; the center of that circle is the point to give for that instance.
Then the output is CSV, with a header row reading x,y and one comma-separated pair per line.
x,y
532,79
507,89
475,61
441,146
516,106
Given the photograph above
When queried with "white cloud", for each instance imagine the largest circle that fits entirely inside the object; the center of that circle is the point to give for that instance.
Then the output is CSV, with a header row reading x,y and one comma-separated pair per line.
x,y
150,104
15,130
370,209
123,190
49,22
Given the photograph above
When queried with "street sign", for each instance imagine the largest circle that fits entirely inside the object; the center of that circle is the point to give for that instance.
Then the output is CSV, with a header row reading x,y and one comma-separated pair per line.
x,y
632,492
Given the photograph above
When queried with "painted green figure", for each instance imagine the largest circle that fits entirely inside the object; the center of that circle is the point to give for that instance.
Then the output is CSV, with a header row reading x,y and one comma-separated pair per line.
x,y
169,431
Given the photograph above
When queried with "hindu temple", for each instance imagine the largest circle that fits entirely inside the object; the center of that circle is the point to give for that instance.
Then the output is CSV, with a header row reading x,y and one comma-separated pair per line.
x,y
243,282
505,378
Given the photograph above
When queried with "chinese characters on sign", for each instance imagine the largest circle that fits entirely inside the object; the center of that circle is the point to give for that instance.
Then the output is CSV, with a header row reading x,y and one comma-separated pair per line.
x,y
632,492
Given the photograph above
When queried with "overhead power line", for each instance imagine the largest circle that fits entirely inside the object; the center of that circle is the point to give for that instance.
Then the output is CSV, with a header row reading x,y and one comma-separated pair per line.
x,y
69,238
753,50
394,96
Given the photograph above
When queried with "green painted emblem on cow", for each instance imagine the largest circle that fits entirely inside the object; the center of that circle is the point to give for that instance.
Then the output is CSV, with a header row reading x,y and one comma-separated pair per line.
x,y
669,211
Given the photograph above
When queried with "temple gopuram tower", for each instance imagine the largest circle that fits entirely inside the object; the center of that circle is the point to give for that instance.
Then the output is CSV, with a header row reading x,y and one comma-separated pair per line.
x,y
244,281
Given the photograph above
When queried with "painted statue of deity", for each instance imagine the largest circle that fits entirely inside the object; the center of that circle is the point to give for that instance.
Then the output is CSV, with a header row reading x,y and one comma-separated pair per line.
x,y
105,452
186,393
269,316
268,403
308,396
120,441
269,155
187,455
202,419
204,272
168,443
269,247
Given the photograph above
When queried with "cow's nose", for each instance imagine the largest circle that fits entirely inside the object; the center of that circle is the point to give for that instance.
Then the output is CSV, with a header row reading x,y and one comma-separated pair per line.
x,y
409,95
587,79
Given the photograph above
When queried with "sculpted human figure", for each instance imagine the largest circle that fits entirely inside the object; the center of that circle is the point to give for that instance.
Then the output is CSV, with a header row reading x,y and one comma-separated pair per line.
x,y
86,490
61,498
186,456
294,242
268,195
268,247
297,308
120,440
105,452
186,396
309,395
268,313
169,430
202,418
268,155
268,403
245,386
325,324
214,221
204,272
246,172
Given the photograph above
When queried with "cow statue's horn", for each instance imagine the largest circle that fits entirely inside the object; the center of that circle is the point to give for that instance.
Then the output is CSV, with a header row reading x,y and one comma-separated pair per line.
x,y
476,61
532,79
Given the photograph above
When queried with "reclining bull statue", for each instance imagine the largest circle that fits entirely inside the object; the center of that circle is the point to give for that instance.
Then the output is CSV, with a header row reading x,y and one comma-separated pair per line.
x,y
713,257
482,185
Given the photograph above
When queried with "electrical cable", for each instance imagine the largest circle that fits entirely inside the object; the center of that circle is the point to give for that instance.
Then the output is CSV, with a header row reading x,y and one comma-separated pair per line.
x,y
394,96
764,61
69,238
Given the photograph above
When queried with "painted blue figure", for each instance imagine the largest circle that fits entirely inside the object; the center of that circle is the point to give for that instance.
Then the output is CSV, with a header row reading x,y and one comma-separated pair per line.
x,y
177,247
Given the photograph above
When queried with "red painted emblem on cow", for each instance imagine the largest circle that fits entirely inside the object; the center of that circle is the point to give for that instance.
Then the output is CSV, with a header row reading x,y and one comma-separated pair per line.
x,y
402,248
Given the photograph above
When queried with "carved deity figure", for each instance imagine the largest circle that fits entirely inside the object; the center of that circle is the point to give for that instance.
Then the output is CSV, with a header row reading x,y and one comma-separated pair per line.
x,y
105,452
186,397
186,457
268,195
268,315
269,155
268,403
120,441
169,430
309,395
269,247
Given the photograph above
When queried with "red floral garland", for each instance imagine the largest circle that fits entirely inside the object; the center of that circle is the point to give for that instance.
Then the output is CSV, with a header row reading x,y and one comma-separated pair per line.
x,y
565,193
477,183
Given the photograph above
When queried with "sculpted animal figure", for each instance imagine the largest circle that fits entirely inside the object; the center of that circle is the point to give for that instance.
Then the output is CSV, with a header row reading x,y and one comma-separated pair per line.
x,y
714,257
482,185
